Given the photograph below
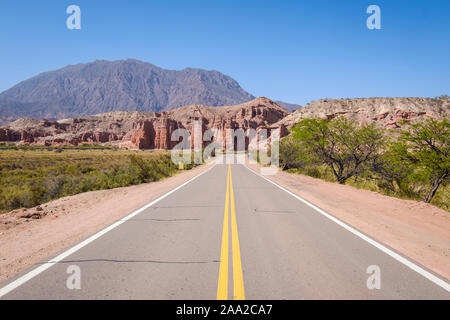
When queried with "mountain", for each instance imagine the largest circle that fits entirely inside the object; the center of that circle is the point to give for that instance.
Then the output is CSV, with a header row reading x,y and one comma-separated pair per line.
x,y
104,86
288,106
143,130
383,112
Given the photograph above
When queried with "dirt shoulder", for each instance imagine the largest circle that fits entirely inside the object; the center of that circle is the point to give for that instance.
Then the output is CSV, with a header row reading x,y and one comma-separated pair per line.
x,y
28,236
418,230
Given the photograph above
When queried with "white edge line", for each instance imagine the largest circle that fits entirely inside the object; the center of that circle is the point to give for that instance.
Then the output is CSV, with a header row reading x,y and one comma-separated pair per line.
x,y
438,281
33,273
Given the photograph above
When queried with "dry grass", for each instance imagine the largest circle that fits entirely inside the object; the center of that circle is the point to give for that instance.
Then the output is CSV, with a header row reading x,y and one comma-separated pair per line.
x,y
30,177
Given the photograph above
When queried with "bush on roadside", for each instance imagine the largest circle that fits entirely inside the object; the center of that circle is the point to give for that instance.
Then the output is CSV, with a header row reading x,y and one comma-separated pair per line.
x,y
341,144
414,164
29,178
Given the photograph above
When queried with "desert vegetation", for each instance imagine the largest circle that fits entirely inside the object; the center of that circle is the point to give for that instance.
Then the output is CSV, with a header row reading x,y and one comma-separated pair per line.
x,y
30,176
412,163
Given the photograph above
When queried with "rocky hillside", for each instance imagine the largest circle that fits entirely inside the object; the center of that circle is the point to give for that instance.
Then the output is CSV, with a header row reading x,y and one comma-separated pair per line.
x,y
104,86
143,130
384,112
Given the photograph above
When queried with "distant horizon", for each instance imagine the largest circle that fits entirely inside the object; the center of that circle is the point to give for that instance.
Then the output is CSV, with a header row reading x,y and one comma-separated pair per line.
x,y
215,70
292,51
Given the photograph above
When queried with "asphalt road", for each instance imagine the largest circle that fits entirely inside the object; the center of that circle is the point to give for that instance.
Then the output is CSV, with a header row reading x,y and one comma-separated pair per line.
x,y
227,234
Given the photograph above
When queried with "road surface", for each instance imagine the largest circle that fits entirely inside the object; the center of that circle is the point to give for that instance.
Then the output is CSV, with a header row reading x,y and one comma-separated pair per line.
x,y
227,234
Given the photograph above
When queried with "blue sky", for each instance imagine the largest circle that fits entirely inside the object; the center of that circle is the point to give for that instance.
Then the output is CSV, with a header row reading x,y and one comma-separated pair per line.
x,y
295,51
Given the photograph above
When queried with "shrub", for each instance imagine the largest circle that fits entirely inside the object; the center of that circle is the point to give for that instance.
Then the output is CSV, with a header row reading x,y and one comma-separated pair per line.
x,y
414,163
424,148
291,154
32,177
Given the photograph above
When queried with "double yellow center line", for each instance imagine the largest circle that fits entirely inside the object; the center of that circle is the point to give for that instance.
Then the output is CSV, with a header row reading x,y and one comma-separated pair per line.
x,y
238,279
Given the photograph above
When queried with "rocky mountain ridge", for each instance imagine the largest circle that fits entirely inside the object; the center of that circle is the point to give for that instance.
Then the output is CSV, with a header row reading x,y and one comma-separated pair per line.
x,y
128,85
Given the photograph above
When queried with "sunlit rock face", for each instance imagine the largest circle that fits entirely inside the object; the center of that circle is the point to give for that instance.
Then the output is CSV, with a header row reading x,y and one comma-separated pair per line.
x,y
148,130
383,112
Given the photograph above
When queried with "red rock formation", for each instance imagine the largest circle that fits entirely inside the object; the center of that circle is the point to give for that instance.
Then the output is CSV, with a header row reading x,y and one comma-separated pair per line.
x,y
145,130
9,135
163,133
26,137
144,136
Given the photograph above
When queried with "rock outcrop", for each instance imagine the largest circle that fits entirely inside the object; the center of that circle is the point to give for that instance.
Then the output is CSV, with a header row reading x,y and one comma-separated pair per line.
x,y
9,135
144,130
383,112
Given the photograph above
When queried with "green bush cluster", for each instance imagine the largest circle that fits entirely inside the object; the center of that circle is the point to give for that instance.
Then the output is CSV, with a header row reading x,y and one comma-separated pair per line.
x,y
412,163
32,177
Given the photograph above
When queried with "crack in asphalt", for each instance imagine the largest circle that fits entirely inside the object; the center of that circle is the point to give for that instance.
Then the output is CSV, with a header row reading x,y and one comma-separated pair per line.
x,y
164,220
272,211
132,261
187,207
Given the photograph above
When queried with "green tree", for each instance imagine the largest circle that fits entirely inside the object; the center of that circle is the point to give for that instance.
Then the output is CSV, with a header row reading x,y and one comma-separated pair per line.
x,y
426,147
343,145
291,154
392,174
